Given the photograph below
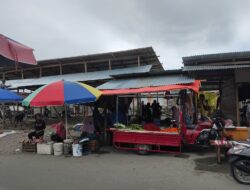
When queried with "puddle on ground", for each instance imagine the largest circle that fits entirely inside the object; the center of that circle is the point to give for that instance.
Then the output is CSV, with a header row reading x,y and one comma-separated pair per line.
x,y
210,164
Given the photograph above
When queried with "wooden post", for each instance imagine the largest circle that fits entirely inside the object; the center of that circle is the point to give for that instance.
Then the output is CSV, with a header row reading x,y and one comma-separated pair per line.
x,y
61,72
110,68
139,61
220,95
40,72
17,103
3,111
85,67
237,104
22,74
105,126
117,108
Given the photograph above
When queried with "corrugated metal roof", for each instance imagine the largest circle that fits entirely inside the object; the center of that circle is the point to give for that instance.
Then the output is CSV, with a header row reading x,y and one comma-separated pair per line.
x,y
146,82
88,76
228,55
213,67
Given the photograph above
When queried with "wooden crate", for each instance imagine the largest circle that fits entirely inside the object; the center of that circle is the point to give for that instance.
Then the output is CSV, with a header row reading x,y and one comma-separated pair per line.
x,y
29,147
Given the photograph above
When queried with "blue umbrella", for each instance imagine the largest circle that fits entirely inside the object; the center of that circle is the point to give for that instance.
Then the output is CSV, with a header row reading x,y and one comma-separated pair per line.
x,y
8,96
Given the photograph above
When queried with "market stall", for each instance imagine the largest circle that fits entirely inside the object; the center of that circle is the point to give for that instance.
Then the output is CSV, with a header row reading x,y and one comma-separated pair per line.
x,y
60,93
152,137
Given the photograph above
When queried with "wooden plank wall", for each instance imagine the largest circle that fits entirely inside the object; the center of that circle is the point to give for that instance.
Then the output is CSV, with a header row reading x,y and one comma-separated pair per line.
x,y
228,99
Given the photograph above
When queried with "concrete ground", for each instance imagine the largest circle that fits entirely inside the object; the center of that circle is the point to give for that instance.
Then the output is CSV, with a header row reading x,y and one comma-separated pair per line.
x,y
112,169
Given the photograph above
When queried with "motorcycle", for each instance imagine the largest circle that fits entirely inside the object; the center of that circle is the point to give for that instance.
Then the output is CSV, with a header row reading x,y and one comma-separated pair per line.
x,y
239,159
205,131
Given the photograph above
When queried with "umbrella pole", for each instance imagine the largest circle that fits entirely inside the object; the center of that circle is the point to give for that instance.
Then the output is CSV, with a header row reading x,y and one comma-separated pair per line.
x,y
66,121
3,111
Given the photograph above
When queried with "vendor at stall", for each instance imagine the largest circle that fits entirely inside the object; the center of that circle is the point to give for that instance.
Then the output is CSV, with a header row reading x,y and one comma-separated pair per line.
x,y
39,126
60,132
88,128
203,106
188,112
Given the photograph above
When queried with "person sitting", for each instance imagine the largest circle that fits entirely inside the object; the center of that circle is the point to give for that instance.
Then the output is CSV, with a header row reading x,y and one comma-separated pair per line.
x,y
88,128
60,132
39,126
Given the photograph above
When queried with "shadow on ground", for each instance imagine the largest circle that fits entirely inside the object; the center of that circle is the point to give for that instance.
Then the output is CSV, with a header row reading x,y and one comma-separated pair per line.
x,y
210,164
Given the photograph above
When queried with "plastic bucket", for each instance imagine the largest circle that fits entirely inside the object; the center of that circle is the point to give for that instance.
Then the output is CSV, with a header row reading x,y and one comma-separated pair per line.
x,y
77,150
58,149
67,148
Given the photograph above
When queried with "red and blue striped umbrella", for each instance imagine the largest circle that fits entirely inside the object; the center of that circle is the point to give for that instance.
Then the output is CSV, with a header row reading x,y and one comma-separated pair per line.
x,y
62,93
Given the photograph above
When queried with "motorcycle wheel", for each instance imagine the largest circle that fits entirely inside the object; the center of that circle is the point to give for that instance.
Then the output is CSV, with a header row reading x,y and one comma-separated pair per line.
x,y
238,175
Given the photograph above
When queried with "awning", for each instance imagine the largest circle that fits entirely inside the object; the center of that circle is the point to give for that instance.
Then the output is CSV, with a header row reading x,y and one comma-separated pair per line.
x,y
149,84
193,86
151,81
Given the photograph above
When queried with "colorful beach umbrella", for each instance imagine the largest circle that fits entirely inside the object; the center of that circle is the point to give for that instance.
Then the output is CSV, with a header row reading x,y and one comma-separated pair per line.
x,y
62,93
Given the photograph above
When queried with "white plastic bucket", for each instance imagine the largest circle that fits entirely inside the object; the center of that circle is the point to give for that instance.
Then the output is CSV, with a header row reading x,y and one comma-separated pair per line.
x,y
58,149
77,150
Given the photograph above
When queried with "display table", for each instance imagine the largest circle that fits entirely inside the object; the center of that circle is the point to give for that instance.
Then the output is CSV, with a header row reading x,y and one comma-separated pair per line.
x,y
131,139
220,145
237,133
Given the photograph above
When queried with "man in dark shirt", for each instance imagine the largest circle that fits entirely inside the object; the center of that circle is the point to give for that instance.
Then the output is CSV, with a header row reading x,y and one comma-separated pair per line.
x,y
39,128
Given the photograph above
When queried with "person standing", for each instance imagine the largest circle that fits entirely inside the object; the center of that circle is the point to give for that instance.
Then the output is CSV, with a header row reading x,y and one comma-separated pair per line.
x,y
148,113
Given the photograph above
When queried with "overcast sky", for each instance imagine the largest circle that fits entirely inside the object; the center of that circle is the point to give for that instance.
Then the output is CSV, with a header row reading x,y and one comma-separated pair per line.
x,y
62,28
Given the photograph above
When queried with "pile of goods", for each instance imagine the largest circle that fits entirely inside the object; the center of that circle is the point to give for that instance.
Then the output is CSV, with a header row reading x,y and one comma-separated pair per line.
x,y
146,127
130,127
68,147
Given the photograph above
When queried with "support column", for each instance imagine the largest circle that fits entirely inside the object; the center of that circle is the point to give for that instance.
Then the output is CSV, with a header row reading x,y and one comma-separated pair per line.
x,y
110,68
139,61
22,74
237,104
40,72
85,67
117,108
61,72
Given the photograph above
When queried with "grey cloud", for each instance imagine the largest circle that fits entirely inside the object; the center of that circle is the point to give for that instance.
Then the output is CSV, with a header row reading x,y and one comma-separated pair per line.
x,y
58,28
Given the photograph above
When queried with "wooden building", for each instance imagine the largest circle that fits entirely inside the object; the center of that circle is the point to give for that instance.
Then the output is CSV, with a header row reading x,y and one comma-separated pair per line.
x,y
93,69
227,72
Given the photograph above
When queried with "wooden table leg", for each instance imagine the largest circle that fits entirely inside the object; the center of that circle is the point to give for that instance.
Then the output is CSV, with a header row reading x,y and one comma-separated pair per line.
x,y
218,154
